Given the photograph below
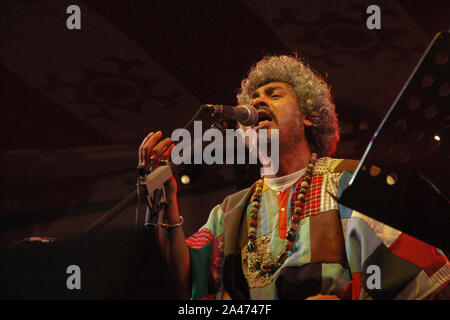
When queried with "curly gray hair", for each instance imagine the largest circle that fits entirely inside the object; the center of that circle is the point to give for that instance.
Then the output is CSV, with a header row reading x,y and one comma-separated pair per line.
x,y
313,93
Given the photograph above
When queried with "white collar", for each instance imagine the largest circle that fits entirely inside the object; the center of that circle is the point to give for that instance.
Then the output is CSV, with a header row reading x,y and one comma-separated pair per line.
x,y
281,183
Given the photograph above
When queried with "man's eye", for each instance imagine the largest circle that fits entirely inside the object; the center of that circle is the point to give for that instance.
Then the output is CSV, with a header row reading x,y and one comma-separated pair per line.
x,y
275,96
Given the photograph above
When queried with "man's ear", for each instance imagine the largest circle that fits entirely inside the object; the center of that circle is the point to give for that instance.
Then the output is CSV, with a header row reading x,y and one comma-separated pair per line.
x,y
307,123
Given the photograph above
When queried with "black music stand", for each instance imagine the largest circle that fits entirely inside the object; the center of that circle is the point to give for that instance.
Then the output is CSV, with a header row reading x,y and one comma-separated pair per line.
x,y
411,146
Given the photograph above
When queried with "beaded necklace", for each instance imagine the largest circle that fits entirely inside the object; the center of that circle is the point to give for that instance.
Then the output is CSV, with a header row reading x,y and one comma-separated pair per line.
x,y
268,268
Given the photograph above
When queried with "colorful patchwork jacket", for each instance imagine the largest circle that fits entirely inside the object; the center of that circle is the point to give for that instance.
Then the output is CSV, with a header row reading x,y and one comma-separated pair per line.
x,y
338,251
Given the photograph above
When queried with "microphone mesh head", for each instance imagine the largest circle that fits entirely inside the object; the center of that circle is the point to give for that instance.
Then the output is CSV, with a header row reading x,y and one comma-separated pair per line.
x,y
252,115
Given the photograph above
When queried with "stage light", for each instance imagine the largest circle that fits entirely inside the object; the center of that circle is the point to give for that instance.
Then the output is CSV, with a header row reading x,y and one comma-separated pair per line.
x,y
391,178
374,171
437,138
185,179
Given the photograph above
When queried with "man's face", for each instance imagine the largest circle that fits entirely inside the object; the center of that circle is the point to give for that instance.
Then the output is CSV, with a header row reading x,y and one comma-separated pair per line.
x,y
278,108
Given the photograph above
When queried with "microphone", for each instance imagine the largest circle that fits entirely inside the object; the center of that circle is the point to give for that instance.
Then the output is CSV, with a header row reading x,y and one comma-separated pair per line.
x,y
246,114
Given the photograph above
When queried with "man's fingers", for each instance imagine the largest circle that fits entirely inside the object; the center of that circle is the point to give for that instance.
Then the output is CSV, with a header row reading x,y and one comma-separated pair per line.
x,y
146,139
152,141
167,154
141,149
149,145
159,148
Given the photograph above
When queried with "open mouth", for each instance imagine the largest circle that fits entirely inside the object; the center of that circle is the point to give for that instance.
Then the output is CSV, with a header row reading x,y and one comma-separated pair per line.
x,y
264,117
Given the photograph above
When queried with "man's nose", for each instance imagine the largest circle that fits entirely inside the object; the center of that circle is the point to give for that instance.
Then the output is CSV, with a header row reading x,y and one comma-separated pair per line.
x,y
259,102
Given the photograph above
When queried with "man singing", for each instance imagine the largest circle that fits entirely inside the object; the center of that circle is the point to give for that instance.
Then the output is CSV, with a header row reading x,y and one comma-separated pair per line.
x,y
286,237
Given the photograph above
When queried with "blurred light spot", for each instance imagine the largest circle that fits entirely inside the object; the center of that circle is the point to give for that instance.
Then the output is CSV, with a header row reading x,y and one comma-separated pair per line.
x,y
374,171
185,179
392,178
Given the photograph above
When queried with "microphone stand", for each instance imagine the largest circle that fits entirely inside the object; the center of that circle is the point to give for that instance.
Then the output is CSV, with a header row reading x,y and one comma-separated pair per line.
x,y
150,186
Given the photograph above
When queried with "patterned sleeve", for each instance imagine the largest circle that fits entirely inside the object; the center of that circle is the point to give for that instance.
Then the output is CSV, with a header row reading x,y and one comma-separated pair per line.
x,y
388,264
206,254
